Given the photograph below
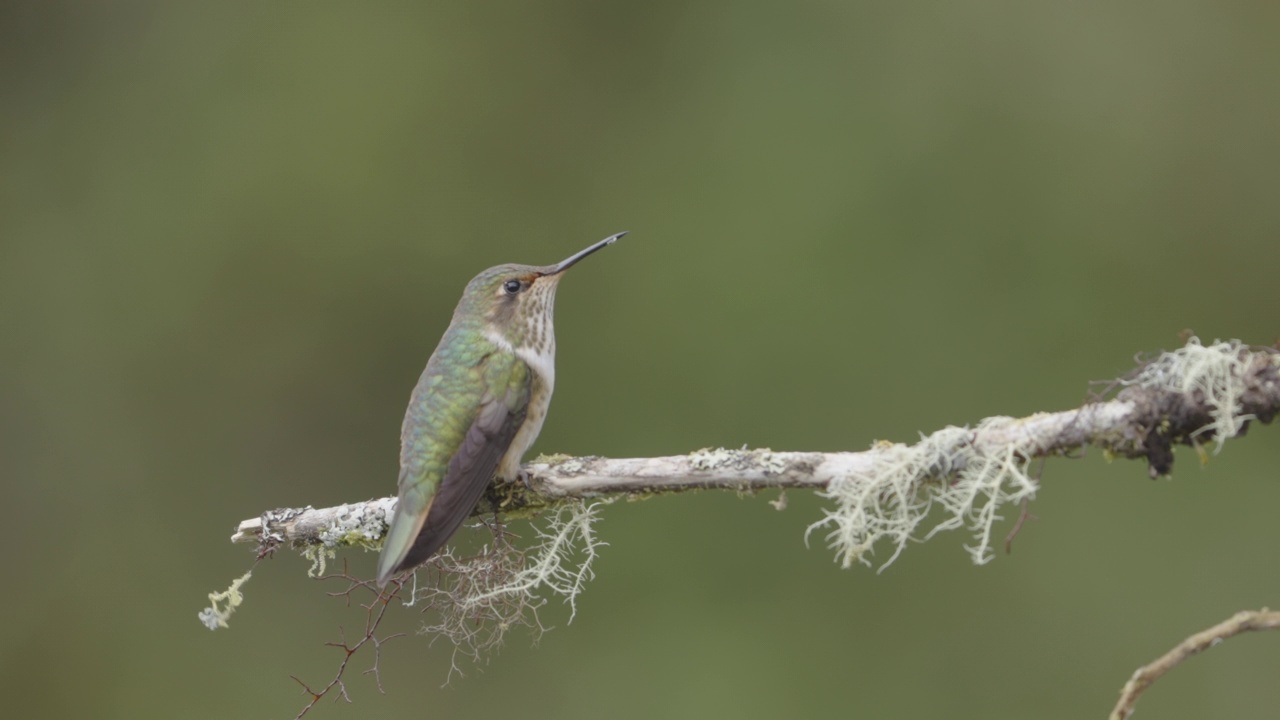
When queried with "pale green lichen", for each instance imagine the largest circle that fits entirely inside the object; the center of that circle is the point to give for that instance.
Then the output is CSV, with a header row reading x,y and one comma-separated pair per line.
x,y
1214,372
360,526
572,466
966,483
988,479
223,604
781,503
563,464
893,500
561,561
319,555
711,459
762,459
770,462
476,600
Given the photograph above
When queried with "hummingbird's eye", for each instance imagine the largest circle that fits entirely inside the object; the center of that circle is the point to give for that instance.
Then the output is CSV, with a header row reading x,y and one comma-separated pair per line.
x,y
511,287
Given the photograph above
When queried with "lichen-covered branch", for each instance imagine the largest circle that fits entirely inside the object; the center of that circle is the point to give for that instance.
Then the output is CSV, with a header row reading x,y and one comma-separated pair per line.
x,y
954,478
1192,396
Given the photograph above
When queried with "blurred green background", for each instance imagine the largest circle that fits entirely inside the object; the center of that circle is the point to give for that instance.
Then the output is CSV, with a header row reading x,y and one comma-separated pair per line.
x,y
231,234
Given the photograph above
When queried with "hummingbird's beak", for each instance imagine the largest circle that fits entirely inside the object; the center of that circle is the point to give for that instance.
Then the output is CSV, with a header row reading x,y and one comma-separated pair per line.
x,y
574,258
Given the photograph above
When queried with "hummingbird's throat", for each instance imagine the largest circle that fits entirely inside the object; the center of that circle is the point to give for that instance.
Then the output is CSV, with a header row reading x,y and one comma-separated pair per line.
x,y
528,330
540,356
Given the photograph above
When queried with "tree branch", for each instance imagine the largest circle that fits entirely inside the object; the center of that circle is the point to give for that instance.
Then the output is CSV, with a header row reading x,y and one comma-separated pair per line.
x,y
1188,396
1244,621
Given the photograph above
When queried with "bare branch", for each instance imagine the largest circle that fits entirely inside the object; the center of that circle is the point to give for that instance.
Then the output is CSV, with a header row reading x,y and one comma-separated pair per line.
x,y
375,609
1244,621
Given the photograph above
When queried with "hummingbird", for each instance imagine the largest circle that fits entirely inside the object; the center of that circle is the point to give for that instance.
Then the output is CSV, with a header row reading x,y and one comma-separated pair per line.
x,y
478,406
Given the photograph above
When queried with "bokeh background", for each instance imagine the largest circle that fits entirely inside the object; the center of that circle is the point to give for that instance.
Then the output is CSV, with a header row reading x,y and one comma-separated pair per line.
x,y
231,234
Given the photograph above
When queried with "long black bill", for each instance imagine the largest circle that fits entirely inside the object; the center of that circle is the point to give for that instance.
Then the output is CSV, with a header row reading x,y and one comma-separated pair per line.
x,y
573,259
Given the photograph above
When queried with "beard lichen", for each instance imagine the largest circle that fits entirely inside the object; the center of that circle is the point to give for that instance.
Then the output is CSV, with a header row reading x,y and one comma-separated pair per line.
x,y
893,499
967,475
223,604
474,601
1213,375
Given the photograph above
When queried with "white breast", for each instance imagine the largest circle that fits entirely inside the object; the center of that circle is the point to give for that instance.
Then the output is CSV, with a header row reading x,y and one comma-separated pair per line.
x,y
542,361
544,379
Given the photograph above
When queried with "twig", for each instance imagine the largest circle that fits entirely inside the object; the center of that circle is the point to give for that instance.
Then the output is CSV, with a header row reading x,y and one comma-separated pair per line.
x,y
374,612
1024,513
1244,621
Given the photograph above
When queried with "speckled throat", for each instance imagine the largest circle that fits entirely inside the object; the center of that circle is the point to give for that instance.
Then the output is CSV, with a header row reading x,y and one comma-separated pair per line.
x,y
532,329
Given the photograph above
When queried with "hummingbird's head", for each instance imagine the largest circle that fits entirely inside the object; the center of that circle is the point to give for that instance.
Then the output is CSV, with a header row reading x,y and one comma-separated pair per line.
x,y
516,301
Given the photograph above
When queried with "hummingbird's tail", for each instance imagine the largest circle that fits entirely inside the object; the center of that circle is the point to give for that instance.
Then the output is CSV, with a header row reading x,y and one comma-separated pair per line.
x,y
405,526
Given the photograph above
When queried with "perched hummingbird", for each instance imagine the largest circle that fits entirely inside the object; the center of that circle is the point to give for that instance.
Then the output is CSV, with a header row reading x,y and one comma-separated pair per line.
x,y
477,407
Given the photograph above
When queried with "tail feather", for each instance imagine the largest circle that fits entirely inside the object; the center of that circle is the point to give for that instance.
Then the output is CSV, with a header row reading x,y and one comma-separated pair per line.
x,y
400,540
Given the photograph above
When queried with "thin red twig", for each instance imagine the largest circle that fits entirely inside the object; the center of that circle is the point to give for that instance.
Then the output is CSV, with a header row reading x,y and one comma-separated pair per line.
x,y
375,610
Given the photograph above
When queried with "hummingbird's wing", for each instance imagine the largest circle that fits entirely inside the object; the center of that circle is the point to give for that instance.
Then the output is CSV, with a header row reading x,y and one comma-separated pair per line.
x,y
427,514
